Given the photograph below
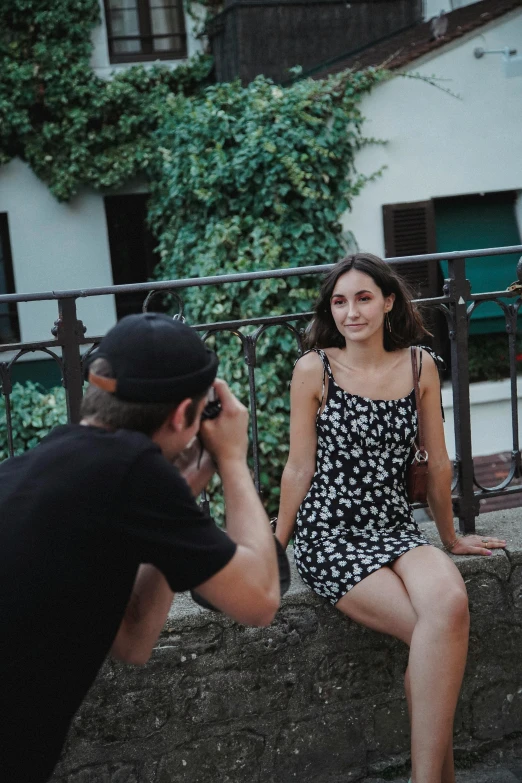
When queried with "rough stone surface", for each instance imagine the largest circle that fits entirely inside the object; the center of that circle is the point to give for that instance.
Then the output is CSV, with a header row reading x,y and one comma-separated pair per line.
x,y
502,765
313,698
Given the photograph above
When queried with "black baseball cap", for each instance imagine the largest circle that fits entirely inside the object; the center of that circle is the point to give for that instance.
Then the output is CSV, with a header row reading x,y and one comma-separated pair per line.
x,y
154,358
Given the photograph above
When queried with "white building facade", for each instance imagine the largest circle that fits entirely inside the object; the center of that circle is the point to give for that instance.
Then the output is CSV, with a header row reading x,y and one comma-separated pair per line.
x,y
437,145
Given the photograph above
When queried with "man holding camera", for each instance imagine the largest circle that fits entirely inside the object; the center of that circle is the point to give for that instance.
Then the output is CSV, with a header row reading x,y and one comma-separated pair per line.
x,y
100,529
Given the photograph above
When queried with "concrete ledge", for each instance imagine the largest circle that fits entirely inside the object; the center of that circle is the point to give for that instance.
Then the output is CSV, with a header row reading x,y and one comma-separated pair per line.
x,y
314,698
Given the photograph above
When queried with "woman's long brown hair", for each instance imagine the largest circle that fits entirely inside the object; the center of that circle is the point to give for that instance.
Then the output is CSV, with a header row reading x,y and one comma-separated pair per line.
x,y
405,320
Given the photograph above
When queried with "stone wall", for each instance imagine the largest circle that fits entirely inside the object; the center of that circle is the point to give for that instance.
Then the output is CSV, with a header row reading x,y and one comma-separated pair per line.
x,y
313,698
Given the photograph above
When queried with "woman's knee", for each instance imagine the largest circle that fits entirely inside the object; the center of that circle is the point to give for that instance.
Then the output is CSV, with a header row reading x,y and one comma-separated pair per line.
x,y
450,608
380,602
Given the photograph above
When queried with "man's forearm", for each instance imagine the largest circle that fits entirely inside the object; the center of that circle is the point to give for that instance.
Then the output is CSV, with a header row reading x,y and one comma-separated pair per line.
x,y
144,616
198,477
247,588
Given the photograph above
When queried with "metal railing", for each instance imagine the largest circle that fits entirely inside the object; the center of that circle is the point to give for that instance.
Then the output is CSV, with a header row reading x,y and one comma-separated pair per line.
x,y
69,343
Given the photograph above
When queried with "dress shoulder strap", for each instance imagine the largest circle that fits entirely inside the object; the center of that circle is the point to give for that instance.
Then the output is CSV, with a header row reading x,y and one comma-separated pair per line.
x,y
324,358
440,364
327,370
437,359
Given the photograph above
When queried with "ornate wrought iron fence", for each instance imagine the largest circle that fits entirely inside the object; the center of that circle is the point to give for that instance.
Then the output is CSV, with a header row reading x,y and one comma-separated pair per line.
x,y
70,345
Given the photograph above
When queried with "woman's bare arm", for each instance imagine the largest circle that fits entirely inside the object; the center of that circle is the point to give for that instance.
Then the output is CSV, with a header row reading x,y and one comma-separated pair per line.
x,y
305,399
440,470
439,465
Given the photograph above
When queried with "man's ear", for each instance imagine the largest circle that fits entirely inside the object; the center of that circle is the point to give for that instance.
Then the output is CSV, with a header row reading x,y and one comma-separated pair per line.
x,y
178,417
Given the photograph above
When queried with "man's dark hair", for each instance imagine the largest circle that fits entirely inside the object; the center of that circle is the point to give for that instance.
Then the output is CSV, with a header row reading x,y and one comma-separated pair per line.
x,y
405,320
116,414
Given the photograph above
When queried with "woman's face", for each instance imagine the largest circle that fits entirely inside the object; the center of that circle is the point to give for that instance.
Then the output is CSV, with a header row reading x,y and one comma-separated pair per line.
x,y
358,306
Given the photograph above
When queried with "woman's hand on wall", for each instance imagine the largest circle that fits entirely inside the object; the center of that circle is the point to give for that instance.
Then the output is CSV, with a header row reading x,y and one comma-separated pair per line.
x,y
477,545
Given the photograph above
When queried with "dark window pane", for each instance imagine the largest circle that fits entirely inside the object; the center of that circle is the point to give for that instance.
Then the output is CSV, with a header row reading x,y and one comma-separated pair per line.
x,y
165,18
124,21
9,328
139,29
126,47
131,244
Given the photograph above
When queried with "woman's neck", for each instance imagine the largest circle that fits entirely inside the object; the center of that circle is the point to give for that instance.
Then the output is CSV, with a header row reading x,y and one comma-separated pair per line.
x,y
364,356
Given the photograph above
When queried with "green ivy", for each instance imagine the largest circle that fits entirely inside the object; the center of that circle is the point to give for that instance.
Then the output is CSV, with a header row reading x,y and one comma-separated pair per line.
x,y
34,413
257,177
202,12
488,356
241,177
72,127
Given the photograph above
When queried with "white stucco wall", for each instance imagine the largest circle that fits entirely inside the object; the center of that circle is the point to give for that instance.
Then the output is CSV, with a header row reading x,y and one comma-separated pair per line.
x,y
438,145
55,246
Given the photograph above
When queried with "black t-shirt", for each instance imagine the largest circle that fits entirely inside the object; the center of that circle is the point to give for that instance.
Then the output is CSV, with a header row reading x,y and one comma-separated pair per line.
x,y
78,514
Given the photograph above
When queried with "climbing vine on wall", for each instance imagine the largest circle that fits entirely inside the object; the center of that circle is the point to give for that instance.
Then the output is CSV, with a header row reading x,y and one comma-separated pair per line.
x,y
72,127
241,177
257,177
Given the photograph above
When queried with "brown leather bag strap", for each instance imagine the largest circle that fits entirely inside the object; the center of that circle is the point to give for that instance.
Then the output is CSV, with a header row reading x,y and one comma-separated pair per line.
x,y
415,369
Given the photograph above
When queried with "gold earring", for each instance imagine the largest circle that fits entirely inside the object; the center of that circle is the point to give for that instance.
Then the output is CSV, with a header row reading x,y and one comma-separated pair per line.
x,y
388,324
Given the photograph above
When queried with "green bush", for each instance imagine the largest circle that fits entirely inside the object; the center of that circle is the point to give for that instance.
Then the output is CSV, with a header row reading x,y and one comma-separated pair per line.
x,y
242,178
489,357
34,412
72,127
251,178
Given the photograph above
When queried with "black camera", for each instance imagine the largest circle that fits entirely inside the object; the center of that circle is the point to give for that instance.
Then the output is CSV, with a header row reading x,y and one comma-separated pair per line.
x,y
212,408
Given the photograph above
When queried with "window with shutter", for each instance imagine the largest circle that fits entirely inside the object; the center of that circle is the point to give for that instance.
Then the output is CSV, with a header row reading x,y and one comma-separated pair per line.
x,y
409,230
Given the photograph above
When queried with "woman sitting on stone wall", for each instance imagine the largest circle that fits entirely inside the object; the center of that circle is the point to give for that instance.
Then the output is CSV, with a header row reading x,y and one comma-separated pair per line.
x,y
353,420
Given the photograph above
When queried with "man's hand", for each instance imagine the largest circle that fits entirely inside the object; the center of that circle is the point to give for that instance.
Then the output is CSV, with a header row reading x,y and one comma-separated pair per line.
x,y
188,458
196,466
226,436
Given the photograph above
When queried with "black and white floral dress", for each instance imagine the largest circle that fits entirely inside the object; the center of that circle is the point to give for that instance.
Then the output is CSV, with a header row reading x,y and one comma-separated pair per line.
x,y
356,517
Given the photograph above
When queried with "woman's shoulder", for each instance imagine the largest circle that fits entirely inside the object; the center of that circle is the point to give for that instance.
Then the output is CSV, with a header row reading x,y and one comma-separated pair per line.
x,y
308,363
431,358
425,353
431,366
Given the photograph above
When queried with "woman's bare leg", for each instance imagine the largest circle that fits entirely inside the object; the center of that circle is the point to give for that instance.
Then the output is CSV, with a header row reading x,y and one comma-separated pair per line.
x,y
437,660
448,767
381,602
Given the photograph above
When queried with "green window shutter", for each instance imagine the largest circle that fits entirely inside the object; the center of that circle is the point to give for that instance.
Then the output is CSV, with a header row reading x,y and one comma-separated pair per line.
x,y
475,221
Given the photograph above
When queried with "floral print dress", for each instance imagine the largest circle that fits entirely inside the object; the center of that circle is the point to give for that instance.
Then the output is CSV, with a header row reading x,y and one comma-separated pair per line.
x,y
356,517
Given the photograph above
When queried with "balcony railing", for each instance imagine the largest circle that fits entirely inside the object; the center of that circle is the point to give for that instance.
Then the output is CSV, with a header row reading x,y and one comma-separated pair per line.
x,y
69,347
